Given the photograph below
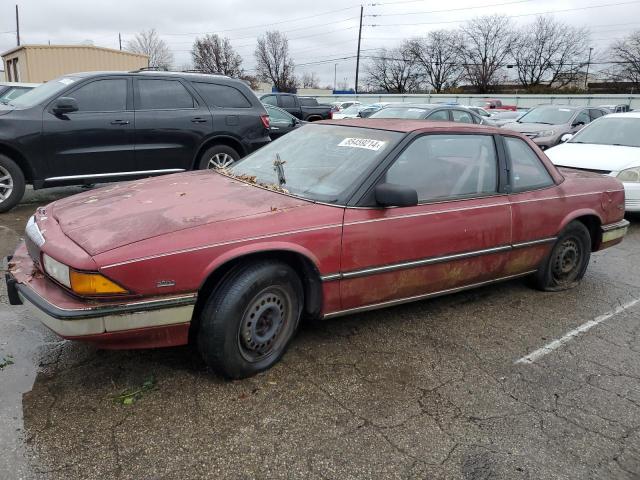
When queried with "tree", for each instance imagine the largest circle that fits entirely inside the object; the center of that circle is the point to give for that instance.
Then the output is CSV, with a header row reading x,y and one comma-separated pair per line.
x,y
310,80
487,45
438,58
149,43
626,54
273,62
213,54
394,71
550,53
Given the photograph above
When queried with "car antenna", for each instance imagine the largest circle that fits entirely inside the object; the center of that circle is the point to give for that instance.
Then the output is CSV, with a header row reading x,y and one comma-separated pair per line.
x,y
278,167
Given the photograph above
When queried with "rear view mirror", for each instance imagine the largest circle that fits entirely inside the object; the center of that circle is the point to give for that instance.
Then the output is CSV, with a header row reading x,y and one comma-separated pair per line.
x,y
65,105
391,195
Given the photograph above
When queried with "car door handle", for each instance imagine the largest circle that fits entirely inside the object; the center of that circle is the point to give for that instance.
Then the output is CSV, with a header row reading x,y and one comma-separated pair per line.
x,y
120,122
199,120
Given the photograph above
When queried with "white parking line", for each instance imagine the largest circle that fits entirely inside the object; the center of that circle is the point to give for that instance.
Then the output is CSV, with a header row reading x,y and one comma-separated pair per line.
x,y
551,346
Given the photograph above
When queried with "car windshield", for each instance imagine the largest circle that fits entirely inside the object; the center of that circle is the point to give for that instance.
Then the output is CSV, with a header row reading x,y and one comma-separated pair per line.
x,y
400,112
42,92
317,162
611,131
548,115
352,110
505,115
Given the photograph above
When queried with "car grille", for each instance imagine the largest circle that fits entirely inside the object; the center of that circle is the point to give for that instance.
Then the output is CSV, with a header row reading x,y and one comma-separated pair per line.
x,y
631,203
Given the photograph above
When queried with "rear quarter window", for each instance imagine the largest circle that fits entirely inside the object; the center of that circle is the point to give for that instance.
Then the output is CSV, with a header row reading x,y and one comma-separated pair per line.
x,y
222,96
527,171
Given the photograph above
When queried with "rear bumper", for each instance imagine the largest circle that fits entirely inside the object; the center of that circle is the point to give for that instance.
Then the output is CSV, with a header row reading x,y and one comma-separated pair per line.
x,y
139,323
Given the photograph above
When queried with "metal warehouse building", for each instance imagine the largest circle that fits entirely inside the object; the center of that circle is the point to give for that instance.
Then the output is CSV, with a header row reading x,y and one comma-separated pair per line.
x,y
41,63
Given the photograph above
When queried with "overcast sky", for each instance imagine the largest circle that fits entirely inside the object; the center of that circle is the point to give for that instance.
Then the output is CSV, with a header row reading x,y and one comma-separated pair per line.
x,y
320,34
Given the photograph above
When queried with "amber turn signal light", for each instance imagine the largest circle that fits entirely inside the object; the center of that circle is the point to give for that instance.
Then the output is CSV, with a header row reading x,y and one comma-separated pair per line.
x,y
93,284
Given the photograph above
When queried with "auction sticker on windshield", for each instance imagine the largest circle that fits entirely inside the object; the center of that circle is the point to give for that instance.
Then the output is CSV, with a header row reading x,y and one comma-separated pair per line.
x,y
367,143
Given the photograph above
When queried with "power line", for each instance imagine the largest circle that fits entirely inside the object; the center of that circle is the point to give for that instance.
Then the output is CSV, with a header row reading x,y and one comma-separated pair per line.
x,y
509,16
447,10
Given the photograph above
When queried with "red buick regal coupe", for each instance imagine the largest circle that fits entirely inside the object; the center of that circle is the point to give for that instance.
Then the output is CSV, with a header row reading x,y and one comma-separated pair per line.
x,y
335,218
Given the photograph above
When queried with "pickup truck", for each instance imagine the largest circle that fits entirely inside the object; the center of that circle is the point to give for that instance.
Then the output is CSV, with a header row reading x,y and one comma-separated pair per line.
x,y
298,106
495,104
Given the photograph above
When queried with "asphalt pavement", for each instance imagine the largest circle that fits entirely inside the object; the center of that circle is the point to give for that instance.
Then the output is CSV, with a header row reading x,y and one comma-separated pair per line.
x,y
439,389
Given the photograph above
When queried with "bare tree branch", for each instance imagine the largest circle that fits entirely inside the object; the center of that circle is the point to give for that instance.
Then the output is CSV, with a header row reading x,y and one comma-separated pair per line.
x,y
273,61
627,53
310,80
149,43
438,57
394,71
213,54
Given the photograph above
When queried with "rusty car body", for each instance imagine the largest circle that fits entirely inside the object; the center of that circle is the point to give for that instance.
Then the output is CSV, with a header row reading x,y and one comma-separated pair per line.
x,y
233,259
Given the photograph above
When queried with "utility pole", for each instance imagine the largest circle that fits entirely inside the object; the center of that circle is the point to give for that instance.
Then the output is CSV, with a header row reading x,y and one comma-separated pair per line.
x,y
335,77
358,57
120,40
586,77
17,26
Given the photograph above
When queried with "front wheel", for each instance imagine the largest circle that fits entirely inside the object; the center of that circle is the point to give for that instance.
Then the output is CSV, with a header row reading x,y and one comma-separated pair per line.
x,y
567,263
218,157
249,320
12,184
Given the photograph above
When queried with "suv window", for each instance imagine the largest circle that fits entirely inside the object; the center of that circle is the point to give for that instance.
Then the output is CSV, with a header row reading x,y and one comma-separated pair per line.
x,y
583,117
461,116
222,96
447,166
287,101
439,115
278,116
108,95
527,171
270,100
163,95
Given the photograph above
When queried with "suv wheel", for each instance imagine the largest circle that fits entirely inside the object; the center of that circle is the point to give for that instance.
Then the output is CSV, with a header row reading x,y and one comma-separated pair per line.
x,y
12,184
218,156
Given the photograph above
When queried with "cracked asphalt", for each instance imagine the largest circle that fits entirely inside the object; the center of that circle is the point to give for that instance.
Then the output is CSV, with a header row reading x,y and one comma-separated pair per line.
x,y
426,390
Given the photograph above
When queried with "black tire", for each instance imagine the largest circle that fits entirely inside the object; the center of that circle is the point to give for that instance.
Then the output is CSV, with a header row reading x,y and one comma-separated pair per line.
x,y
249,320
11,182
567,262
213,157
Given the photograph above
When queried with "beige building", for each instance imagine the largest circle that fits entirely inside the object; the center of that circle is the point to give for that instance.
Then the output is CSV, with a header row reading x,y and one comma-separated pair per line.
x,y
41,63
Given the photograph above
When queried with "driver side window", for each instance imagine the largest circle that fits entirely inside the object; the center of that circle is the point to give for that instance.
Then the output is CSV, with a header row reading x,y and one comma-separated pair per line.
x,y
583,117
441,167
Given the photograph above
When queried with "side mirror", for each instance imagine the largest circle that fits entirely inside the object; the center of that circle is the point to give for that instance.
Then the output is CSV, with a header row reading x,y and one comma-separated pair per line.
x,y
578,124
392,195
65,105
294,121
566,137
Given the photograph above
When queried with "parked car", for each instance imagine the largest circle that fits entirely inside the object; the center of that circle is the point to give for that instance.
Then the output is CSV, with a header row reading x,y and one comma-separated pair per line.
x,y
495,104
609,146
479,111
340,106
97,127
291,103
309,225
502,118
617,108
281,122
350,112
546,124
433,112
312,102
368,110
12,90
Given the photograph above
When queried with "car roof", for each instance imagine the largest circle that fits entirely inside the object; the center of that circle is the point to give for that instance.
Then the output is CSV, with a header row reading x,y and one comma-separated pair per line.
x,y
624,115
161,73
406,126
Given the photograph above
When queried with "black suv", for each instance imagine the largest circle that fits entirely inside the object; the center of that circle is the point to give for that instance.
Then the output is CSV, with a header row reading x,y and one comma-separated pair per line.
x,y
99,127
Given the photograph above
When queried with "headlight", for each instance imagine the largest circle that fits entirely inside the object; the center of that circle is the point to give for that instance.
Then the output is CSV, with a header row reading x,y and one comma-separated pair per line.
x,y
630,175
547,133
56,270
81,283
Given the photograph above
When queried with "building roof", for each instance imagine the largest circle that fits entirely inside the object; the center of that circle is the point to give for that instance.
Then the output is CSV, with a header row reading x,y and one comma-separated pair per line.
x,y
83,47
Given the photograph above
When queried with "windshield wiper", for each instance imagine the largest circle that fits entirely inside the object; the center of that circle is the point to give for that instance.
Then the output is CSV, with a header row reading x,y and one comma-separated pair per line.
x,y
278,167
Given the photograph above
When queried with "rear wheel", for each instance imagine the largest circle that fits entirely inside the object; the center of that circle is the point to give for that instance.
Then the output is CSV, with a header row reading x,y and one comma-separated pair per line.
x,y
12,184
567,263
247,323
218,157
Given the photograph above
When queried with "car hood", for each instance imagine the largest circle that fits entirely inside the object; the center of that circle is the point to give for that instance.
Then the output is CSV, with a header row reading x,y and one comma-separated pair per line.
x,y
531,127
120,214
594,157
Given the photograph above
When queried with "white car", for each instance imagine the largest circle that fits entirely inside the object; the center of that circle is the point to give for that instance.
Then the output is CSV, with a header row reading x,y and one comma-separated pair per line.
x,y
609,145
339,106
349,112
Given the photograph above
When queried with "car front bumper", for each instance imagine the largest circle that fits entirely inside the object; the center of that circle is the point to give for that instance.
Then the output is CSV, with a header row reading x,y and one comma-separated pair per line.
x,y
133,323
